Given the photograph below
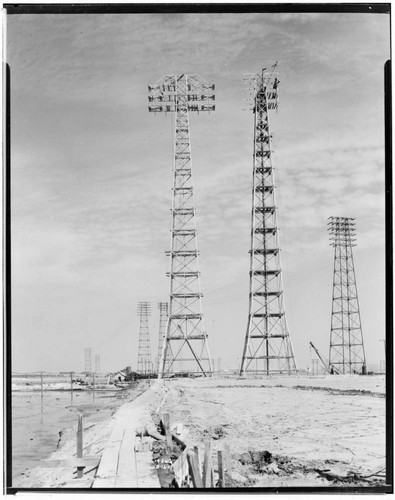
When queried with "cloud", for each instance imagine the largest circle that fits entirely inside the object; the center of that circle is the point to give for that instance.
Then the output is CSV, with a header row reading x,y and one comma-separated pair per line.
x,y
91,168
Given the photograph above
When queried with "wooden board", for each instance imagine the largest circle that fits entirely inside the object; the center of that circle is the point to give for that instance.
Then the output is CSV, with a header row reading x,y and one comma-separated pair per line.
x,y
80,483
221,471
69,463
194,469
147,476
127,471
107,482
208,466
109,461
180,468
121,466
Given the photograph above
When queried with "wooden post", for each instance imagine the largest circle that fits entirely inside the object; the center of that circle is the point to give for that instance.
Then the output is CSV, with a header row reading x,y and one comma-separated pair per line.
x,y
194,471
166,426
71,387
227,458
208,466
42,394
196,451
221,471
80,446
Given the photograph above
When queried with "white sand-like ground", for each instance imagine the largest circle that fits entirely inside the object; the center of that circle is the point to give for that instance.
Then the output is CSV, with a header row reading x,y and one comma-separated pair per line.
x,y
312,426
333,423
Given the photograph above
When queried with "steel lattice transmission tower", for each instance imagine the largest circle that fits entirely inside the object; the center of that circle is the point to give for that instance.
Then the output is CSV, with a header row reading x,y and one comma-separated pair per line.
x,y
88,359
346,352
144,354
97,363
185,343
267,348
163,315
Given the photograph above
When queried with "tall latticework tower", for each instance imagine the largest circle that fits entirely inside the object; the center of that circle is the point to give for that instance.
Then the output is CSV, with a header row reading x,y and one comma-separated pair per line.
x,y
163,315
346,352
144,354
267,348
185,344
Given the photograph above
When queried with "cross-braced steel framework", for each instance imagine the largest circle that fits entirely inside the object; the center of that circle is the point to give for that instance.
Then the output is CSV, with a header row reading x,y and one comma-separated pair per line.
x,y
346,352
163,315
144,354
88,359
97,363
267,347
185,344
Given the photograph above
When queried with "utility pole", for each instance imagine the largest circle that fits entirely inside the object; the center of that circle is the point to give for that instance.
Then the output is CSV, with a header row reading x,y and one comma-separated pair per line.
x,y
346,351
267,347
185,344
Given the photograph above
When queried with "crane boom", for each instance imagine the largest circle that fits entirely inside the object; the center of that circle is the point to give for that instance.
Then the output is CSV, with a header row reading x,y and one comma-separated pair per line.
x,y
319,356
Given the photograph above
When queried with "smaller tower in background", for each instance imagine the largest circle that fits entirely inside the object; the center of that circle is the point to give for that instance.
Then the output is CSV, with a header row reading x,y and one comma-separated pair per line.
x,y
144,365
97,363
346,351
88,359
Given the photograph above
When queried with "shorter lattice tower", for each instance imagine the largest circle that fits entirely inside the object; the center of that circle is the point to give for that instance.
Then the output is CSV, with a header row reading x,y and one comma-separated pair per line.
x,y
163,316
346,352
88,359
144,355
97,363
267,347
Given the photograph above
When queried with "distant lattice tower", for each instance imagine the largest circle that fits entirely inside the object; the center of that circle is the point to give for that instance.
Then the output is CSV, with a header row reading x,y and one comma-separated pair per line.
x,y
144,354
185,344
88,359
346,352
267,347
163,315
97,363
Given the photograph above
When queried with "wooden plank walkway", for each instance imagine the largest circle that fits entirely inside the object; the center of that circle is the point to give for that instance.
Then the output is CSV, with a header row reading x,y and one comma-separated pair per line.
x,y
121,466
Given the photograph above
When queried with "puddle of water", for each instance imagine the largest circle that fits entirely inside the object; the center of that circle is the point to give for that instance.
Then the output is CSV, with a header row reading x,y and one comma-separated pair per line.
x,y
37,420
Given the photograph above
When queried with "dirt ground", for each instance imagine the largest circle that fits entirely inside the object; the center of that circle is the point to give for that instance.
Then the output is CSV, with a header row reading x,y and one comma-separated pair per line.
x,y
287,431
276,431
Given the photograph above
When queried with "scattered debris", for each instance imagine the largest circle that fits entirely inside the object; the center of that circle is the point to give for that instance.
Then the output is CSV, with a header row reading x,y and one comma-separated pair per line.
x,y
340,392
259,459
216,432
164,461
60,439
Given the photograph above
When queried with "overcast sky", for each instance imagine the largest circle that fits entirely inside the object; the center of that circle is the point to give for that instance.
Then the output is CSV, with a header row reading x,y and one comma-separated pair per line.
x,y
91,175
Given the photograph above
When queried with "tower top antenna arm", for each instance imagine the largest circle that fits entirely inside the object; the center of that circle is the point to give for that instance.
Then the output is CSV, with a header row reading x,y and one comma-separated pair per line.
x,y
265,83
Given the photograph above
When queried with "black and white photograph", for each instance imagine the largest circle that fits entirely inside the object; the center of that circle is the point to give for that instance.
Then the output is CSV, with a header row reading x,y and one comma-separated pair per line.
x,y
198,248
